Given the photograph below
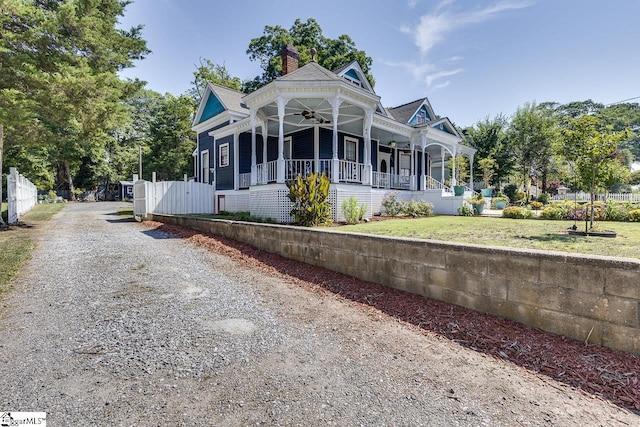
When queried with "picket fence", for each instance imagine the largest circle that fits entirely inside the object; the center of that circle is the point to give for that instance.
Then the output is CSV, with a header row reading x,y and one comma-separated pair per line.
x,y
22,196
172,197
581,196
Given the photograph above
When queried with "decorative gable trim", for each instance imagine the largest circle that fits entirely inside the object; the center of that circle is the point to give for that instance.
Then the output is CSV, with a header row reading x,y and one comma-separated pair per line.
x,y
445,125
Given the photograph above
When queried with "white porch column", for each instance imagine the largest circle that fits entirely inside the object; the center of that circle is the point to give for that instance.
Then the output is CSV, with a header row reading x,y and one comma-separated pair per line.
x,y
423,158
470,157
335,162
236,161
454,180
366,131
442,165
282,102
412,169
265,136
252,116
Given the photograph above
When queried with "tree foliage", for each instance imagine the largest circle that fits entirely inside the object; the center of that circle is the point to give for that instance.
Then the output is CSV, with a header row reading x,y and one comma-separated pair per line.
x,y
533,133
488,136
59,87
210,72
331,53
593,147
171,140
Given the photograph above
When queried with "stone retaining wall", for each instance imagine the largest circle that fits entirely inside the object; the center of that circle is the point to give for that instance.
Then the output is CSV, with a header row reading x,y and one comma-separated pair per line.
x,y
572,295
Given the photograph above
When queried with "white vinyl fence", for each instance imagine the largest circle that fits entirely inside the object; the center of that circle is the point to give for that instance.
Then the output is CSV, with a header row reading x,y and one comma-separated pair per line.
x,y
172,197
22,195
582,196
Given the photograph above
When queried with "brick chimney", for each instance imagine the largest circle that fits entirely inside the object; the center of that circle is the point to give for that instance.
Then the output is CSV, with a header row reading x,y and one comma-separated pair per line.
x,y
289,59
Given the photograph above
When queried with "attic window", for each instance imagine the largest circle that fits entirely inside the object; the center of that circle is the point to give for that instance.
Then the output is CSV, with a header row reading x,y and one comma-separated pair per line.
x,y
352,77
353,81
421,116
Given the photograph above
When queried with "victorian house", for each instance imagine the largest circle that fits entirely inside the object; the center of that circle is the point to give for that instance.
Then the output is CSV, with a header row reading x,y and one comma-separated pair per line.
x,y
315,120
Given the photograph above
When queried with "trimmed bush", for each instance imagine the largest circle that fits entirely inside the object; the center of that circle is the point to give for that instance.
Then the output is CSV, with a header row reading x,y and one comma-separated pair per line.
x,y
391,204
516,212
352,211
417,208
634,215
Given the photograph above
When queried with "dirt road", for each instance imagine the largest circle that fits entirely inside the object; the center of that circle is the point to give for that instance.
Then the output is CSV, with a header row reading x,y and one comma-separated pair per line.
x,y
114,324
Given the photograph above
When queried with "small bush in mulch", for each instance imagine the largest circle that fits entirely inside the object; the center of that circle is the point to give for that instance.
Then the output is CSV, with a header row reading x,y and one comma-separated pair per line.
x,y
611,374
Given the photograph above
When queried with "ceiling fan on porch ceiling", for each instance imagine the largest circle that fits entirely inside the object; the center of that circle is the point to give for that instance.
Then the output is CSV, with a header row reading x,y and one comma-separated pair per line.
x,y
309,115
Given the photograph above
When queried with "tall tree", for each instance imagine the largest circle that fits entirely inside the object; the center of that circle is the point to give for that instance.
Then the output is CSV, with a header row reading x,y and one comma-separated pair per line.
x,y
59,69
593,147
532,136
488,136
210,72
171,140
331,53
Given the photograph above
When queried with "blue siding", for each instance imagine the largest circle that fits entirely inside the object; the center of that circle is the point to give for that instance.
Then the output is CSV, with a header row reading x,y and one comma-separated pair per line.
x,y
224,175
212,108
272,148
352,74
414,119
302,144
205,142
245,152
326,143
374,155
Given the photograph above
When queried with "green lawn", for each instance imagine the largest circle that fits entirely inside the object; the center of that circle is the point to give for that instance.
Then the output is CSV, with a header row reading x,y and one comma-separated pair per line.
x,y
515,233
16,241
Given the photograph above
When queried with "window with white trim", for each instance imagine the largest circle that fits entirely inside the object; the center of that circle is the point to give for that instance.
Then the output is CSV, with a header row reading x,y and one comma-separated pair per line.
x,y
350,149
204,165
223,155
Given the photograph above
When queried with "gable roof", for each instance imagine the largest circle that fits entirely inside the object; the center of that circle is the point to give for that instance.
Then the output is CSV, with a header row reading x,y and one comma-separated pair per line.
x,y
310,72
217,99
405,112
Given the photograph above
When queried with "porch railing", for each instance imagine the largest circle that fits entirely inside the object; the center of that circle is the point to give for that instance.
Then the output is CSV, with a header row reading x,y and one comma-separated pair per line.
x,y
244,180
430,183
267,172
350,171
387,180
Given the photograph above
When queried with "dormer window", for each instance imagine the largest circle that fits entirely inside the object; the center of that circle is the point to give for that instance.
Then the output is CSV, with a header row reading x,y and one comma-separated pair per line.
x,y
421,116
352,77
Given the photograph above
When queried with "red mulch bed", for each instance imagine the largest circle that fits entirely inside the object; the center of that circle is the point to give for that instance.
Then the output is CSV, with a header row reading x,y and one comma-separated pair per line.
x,y
611,374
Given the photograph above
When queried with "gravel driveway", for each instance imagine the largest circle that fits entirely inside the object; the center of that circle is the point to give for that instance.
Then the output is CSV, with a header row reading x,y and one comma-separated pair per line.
x,y
114,324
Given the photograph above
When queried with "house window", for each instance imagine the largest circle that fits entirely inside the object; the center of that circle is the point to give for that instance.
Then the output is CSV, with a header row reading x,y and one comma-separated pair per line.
x,y
287,143
350,149
421,117
223,155
204,166
405,164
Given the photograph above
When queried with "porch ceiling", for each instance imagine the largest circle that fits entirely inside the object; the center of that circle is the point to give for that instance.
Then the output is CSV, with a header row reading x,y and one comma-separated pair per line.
x,y
301,113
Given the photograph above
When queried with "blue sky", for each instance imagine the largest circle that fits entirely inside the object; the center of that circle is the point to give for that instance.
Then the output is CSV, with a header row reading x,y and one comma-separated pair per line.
x,y
471,58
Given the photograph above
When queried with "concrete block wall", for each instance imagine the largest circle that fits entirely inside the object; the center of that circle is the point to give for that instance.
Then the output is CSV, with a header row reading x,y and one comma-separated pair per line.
x,y
571,295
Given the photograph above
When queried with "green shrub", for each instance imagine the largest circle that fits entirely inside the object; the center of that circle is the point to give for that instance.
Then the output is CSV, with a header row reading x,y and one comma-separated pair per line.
x,y
543,198
310,197
510,191
391,204
352,211
516,212
520,196
615,211
634,215
416,208
465,210
555,211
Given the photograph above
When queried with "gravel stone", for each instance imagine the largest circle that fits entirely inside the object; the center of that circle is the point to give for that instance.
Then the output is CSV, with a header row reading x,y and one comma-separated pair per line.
x,y
111,323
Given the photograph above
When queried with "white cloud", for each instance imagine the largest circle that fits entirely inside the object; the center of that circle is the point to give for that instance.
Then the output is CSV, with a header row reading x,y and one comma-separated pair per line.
x,y
434,27
430,78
